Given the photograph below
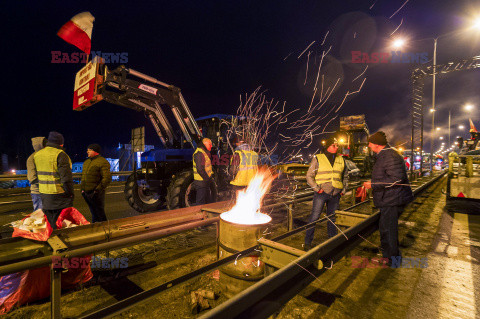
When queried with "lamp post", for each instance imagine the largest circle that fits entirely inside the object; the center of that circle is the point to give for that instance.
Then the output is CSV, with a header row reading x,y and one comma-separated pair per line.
x,y
433,102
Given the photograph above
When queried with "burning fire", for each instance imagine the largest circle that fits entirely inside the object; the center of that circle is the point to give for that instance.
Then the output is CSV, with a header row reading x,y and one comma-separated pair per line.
x,y
247,208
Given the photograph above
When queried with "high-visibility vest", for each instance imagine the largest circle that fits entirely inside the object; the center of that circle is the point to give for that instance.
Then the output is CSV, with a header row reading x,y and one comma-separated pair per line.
x,y
247,169
47,170
208,165
326,173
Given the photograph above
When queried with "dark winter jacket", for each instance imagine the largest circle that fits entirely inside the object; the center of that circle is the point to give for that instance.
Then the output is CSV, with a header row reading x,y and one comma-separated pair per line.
x,y
60,201
95,174
388,171
38,143
199,159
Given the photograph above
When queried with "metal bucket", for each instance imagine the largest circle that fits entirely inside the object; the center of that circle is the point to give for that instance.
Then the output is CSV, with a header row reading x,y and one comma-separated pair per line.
x,y
245,270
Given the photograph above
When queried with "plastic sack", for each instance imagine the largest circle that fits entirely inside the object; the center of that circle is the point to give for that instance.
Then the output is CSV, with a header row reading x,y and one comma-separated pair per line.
x,y
361,194
76,274
34,284
22,287
41,235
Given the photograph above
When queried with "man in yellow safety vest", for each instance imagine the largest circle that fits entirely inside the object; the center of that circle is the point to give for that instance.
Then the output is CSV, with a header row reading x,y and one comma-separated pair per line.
x,y
55,182
202,171
243,165
328,176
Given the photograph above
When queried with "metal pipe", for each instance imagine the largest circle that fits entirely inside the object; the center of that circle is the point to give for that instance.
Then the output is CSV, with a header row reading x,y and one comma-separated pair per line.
x,y
44,261
148,78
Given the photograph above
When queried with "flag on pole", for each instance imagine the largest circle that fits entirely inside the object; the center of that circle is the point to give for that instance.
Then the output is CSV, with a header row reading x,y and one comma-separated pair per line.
x,y
78,31
472,127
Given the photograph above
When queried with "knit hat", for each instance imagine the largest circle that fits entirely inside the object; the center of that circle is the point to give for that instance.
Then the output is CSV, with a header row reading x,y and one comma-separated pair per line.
x,y
331,140
378,138
95,147
55,138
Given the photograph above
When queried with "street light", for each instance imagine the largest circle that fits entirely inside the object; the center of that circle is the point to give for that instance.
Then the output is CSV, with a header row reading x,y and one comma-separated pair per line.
x,y
461,127
468,107
398,43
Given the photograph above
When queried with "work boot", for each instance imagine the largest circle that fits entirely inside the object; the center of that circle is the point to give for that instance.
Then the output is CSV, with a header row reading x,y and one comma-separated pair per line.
x,y
307,247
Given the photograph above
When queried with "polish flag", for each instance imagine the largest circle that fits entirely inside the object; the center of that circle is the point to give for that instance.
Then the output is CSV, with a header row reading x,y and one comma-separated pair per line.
x,y
472,127
78,31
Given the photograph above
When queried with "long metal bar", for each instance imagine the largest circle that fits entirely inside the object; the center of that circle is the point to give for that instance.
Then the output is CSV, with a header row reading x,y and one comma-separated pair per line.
x,y
148,78
47,260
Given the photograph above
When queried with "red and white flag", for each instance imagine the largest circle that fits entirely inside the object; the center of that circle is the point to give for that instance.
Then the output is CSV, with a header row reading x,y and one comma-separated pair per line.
x,y
78,31
472,127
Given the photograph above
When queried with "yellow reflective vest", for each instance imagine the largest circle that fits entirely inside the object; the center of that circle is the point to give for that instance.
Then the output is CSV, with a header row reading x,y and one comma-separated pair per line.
x,y
47,170
247,168
208,165
326,173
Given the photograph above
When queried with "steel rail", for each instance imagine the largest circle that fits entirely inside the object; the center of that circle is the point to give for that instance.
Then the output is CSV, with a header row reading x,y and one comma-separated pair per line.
x,y
268,295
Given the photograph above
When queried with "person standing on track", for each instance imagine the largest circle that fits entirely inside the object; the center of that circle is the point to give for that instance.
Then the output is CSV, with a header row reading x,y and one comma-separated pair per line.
x,y
328,177
55,181
96,176
391,191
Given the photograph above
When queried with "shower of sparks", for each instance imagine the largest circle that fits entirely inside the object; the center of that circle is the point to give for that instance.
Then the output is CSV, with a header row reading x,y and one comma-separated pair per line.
x,y
360,74
373,4
287,56
399,9
305,49
397,28
306,72
324,38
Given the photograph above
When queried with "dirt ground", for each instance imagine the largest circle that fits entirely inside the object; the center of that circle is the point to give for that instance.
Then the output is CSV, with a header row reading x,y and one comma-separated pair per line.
x,y
342,292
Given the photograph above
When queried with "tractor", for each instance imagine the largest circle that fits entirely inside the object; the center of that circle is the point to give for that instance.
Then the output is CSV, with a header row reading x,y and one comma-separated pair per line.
x,y
165,176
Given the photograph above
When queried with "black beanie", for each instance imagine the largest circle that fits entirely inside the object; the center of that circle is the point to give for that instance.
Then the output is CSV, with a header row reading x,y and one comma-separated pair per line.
x,y
378,138
95,147
331,140
55,138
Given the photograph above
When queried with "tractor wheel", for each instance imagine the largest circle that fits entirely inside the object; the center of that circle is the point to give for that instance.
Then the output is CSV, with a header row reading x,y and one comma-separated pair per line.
x,y
182,193
142,200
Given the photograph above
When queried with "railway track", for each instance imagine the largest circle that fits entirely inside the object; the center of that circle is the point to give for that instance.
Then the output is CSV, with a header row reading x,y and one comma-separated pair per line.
x,y
126,232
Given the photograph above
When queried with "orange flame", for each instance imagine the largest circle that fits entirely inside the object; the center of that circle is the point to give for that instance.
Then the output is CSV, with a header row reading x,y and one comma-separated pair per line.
x,y
247,208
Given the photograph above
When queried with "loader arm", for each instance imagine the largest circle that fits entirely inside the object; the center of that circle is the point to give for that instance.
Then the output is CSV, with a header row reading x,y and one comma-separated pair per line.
x,y
140,92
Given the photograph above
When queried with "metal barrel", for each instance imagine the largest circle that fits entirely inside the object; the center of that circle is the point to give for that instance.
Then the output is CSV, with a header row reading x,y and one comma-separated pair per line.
x,y
245,270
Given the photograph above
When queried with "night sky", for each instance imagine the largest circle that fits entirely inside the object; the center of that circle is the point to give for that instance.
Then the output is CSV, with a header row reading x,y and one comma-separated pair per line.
x,y
216,51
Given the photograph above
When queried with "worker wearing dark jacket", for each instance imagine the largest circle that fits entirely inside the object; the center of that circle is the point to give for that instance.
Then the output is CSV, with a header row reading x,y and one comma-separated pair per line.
x,y
38,143
95,178
202,171
55,182
391,191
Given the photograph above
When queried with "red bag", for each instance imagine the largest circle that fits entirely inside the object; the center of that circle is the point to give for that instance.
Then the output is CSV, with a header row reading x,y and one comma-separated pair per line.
x,y
361,194
34,284
43,235
75,275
